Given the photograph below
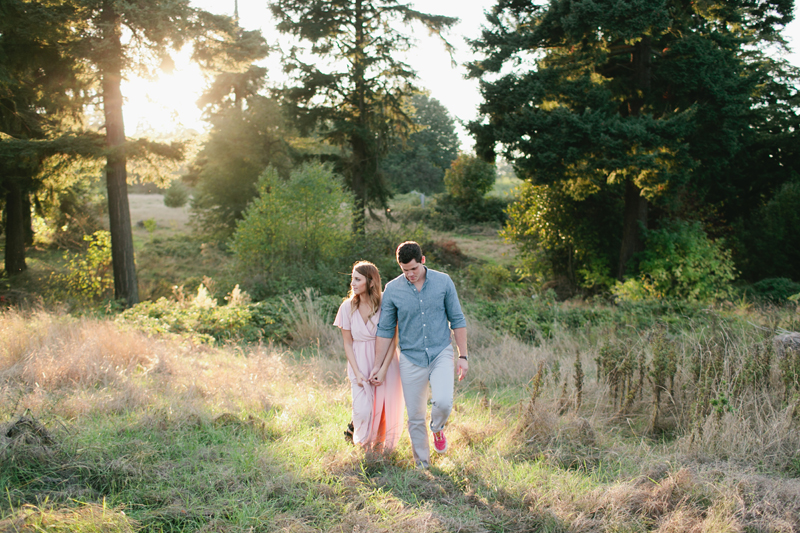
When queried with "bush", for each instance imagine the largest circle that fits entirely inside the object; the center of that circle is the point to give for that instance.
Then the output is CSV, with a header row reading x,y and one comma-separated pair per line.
x,y
177,195
469,178
241,320
680,262
532,319
200,317
776,289
89,275
489,280
297,232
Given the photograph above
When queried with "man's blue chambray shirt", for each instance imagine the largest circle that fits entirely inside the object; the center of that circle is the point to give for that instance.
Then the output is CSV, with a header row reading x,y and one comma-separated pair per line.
x,y
423,316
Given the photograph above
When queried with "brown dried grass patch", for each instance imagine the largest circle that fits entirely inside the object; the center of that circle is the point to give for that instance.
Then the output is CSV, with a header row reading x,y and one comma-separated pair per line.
x,y
89,518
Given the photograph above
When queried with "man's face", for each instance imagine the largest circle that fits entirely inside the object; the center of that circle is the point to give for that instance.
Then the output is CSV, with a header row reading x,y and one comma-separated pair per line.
x,y
412,270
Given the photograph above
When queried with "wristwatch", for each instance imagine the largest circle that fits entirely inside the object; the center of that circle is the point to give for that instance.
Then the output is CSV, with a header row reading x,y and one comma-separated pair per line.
x,y
464,357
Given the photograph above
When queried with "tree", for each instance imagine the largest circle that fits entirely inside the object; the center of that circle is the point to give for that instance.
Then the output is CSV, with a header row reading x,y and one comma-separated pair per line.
x,y
419,163
469,178
295,230
124,37
41,91
648,96
241,144
247,135
358,103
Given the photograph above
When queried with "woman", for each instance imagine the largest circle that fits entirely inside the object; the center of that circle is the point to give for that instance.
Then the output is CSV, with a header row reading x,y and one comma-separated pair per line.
x,y
377,411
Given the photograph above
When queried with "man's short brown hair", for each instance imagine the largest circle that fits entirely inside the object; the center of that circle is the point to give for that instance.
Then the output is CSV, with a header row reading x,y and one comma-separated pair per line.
x,y
407,251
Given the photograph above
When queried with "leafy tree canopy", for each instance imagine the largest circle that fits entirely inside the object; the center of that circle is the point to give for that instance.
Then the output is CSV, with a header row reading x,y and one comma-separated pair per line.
x,y
419,163
349,83
655,96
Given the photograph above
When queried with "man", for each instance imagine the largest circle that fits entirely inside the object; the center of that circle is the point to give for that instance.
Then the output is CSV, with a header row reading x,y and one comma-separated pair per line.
x,y
424,306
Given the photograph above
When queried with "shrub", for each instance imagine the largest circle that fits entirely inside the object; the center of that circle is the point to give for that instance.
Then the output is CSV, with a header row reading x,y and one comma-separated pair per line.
x,y
89,275
177,195
469,178
680,262
201,318
776,289
490,280
297,232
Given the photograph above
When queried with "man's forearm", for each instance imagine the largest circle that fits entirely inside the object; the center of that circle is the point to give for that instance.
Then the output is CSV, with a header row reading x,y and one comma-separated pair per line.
x,y
461,341
382,345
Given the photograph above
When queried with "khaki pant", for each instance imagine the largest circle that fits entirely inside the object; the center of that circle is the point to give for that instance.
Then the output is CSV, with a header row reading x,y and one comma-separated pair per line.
x,y
415,379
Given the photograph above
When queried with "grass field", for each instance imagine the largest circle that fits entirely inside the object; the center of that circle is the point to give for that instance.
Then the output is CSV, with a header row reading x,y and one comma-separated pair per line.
x,y
590,419
108,429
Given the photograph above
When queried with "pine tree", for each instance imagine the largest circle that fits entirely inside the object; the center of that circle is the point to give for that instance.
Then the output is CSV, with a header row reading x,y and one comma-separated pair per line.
x,y
42,92
125,37
646,98
354,87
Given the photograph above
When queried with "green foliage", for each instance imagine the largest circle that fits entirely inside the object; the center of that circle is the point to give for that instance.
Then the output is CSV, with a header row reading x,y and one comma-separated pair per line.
x,y
242,143
652,101
490,280
296,231
89,276
776,289
201,318
177,195
539,317
556,234
42,91
769,241
445,213
469,178
358,99
419,163
680,262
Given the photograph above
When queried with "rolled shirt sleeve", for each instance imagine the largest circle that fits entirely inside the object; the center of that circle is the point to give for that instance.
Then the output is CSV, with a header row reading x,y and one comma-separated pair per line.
x,y
388,319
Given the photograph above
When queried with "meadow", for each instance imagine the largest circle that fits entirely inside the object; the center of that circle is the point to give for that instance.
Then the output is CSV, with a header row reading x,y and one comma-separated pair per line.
x,y
108,428
207,411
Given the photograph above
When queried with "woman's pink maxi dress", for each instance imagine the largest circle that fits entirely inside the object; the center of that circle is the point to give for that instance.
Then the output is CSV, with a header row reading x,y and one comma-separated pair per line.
x,y
369,401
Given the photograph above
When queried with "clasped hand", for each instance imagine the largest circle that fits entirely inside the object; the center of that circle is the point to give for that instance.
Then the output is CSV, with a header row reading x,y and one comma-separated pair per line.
x,y
377,377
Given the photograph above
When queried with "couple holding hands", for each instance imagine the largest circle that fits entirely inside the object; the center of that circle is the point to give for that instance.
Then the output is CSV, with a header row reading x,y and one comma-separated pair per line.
x,y
415,314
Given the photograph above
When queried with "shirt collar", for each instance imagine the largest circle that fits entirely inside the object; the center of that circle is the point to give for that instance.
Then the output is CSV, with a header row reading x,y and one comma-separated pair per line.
x,y
423,283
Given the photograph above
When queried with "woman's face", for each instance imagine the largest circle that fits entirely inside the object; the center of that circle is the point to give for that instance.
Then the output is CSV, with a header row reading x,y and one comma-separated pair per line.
x,y
358,283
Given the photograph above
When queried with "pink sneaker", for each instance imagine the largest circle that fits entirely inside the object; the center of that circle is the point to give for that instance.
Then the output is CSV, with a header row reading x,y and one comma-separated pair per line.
x,y
439,442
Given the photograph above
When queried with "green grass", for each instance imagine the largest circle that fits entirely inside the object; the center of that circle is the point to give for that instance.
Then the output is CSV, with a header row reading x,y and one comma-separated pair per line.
x,y
160,434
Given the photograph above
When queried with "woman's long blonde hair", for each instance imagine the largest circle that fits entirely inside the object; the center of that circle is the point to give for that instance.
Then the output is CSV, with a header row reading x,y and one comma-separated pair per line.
x,y
373,292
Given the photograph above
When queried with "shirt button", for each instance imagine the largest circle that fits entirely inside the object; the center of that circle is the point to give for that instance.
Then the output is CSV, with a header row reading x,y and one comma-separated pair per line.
x,y
423,325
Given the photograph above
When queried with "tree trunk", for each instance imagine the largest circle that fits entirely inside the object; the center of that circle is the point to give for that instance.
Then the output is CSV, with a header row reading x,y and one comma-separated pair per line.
x,y
15,229
125,284
27,220
635,204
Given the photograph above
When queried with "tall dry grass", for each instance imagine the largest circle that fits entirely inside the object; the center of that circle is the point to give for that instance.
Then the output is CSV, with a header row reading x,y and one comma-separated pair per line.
x,y
70,367
532,460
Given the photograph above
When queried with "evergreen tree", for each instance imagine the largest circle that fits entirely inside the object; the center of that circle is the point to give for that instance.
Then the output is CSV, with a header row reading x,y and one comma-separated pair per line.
x,y
648,99
246,136
41,94
419,163
357,99
124,37
241,144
